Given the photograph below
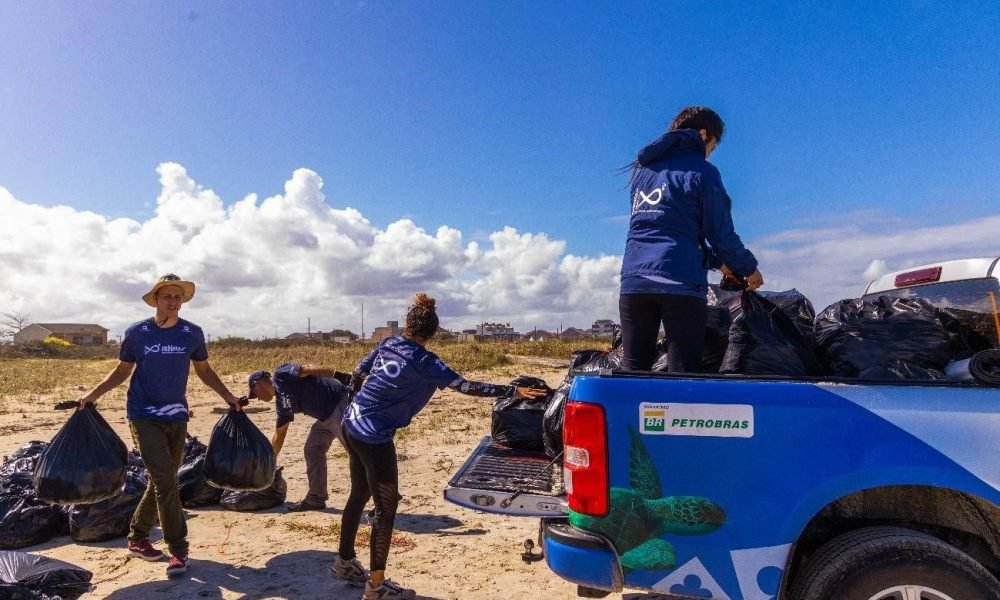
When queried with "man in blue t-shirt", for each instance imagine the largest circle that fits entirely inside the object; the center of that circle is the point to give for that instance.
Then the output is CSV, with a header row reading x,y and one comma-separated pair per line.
x,y
158,353
315,391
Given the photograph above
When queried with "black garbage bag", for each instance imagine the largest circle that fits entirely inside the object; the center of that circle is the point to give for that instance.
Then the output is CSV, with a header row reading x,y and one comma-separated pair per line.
x,y
239,456
24,521
25,573
798,308
32,448
22,460
194,488
109,518
85,462
591,361
892,338
274,495
552,419
517,421
763,340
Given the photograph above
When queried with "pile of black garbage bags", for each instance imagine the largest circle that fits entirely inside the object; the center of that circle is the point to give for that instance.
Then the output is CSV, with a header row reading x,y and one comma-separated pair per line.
x,y
778,334
87,484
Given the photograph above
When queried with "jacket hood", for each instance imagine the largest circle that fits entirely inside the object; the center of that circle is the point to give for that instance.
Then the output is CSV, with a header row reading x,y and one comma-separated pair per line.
x,y
679,141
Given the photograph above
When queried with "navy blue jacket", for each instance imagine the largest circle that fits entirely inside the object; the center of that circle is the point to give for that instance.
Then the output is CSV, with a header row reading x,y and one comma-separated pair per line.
x,y
681,223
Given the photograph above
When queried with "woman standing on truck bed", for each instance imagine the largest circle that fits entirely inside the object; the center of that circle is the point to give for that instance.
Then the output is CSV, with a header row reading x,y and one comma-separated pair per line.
x,y
402,375
681,226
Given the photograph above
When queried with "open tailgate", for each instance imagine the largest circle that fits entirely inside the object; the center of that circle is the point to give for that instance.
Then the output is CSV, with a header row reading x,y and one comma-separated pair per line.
x,y
506,481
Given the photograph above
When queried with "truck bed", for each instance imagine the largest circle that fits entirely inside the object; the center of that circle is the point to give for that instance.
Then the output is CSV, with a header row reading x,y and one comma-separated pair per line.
x,y
508,481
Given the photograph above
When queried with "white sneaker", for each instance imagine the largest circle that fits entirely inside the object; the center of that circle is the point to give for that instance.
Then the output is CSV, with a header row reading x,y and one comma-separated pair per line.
x,y
387,590
349,571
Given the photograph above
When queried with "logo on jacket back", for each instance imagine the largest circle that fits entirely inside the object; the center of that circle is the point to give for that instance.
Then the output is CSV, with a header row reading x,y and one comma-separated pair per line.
x,y
654,197
390,367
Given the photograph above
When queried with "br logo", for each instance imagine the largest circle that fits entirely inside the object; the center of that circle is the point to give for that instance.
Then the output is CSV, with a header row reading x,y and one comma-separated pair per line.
x,y
654,419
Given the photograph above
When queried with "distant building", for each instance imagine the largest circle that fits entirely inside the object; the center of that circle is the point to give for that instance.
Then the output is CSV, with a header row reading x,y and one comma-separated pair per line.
x,y
603,327
80,334
496,332
391,328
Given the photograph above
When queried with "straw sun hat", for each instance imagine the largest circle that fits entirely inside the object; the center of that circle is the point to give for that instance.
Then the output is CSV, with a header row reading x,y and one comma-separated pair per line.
x,y
169,279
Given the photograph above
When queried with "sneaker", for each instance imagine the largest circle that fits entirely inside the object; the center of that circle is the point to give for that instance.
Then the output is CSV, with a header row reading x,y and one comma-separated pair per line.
x,y
305,505
349,571
178,565
387,590
144,549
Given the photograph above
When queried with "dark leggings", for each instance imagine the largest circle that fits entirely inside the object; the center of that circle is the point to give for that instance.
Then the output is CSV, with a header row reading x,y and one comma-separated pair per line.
x,y
374,473
683,319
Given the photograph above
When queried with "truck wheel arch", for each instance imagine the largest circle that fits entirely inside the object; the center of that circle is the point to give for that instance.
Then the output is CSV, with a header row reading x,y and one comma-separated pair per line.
x,y
964,521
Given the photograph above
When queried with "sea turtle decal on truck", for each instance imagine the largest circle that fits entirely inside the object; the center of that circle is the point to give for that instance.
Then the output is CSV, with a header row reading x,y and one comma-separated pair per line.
x,y
640,514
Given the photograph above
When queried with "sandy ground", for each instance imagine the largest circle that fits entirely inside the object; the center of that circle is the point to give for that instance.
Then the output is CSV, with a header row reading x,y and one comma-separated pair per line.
x,y
443,550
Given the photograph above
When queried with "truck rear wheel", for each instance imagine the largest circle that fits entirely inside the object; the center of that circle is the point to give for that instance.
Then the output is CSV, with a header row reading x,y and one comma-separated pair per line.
x,y
891,563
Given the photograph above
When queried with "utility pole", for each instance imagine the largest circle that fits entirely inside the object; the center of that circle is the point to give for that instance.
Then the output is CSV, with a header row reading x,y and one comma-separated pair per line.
x,y
309,325
362,321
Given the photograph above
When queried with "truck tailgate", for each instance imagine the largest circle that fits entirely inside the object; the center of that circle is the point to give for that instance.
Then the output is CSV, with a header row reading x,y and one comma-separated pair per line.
x,y
506,481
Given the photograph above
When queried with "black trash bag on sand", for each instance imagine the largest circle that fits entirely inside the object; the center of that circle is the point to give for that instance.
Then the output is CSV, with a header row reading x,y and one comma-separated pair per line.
x,y
274,495
517,421
109,518
24,521
194,488
892,338
37,577
763,340
85,462
239,456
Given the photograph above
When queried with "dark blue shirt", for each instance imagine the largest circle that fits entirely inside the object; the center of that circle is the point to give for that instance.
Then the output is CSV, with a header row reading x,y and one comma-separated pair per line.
x,y
402,377
311,395
162,358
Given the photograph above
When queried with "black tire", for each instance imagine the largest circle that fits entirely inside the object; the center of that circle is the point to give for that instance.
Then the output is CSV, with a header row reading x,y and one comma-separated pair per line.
x,y
866,564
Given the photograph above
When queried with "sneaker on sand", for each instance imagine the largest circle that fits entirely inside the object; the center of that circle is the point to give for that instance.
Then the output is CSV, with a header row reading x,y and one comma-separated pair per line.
x,y
305,505
387,590
349,571
144,549
178,565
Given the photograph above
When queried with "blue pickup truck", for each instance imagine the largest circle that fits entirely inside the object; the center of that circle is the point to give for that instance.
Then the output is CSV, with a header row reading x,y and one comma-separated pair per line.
x,y
769,488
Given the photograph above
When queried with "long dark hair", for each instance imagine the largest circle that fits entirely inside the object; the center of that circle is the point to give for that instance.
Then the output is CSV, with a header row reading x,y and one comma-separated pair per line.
x,y
690,117
421,318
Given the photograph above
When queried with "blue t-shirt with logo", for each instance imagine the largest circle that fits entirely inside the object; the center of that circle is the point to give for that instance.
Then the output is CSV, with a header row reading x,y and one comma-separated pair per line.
x,y
312,395
162,358
402,377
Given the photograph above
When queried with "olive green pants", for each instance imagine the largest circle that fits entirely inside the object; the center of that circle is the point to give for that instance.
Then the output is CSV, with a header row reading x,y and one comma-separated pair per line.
x,y
161,445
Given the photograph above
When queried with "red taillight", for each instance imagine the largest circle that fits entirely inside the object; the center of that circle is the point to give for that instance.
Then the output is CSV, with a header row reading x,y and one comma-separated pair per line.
x,y
918,276
585,458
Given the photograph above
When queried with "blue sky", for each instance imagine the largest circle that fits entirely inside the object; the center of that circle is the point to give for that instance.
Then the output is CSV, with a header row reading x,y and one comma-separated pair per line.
x,y
479,116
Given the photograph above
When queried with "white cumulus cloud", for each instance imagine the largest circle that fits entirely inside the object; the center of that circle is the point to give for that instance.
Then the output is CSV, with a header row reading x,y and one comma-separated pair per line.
x,y
266,267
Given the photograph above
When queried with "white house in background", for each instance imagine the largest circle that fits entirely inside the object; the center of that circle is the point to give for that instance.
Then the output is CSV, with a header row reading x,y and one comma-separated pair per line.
x,y
80,334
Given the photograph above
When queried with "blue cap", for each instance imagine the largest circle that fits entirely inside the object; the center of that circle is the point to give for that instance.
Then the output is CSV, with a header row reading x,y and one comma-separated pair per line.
x,y
254,378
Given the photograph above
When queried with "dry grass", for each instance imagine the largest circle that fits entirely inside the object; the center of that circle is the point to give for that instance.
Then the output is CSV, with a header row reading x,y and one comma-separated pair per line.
x,y
23,380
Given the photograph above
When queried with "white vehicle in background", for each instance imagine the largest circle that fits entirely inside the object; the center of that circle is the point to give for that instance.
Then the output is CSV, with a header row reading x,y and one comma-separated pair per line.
x,y
971,286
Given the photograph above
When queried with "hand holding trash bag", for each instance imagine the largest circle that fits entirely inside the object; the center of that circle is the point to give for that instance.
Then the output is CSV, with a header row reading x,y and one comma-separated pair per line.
x,y
239,456
84,463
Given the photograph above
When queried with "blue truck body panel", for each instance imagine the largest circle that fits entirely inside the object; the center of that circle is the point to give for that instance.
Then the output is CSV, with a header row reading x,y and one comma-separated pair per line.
x,y
773,453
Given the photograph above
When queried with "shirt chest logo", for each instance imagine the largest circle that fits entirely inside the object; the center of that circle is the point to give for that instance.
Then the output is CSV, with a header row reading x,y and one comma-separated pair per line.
x,y
165,349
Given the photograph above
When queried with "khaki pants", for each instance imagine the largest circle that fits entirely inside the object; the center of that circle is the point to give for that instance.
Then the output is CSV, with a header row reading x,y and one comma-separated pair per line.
x,y
318,443
161,445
